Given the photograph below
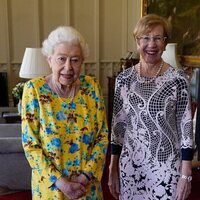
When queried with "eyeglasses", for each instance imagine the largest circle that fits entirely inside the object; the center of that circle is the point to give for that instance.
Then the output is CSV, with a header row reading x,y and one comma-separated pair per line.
x,y
74,61
147,39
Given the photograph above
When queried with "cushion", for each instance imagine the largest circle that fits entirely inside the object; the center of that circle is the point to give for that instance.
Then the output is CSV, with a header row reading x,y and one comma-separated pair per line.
x,y
10,130
11,145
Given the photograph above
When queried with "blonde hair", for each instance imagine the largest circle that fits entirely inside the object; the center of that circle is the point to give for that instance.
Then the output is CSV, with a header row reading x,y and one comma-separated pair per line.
x,y
148,22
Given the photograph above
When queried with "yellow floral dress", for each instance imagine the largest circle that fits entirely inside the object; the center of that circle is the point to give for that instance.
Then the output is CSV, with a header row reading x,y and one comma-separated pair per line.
x,y
63,136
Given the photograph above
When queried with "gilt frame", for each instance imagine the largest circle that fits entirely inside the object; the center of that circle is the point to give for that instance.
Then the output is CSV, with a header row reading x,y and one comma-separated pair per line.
x,y
150,6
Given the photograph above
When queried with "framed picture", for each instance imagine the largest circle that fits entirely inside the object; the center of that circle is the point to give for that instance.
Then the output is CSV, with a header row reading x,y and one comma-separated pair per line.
x,y
184,17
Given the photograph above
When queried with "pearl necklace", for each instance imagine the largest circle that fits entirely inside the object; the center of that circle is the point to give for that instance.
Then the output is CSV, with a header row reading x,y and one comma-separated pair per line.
x,y
142,79
70,95
61,94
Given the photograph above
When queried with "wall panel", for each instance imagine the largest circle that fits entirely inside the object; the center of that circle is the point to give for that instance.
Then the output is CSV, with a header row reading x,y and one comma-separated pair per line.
x,y
106,25
132,18
82,16
23,27
110,29
3,32
52,14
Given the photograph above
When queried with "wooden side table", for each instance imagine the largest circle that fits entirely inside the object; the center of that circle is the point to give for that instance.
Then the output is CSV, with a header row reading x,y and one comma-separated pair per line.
x,y
111,89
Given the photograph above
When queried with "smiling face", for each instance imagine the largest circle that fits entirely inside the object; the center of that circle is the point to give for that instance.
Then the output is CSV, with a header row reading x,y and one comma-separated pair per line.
x,y
66,63
152,45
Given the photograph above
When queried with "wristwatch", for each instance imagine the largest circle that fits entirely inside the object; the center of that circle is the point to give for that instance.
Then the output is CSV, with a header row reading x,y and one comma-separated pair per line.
x,y
188,178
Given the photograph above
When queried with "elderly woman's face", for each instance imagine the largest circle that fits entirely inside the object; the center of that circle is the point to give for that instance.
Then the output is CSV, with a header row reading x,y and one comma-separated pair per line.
x,y
66,63
152,45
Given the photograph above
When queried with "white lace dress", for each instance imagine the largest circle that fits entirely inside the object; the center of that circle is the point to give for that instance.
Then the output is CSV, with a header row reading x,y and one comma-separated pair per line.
x,y
152,127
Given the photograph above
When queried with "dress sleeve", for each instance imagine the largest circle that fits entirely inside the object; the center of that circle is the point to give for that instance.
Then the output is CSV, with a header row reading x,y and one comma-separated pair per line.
x,y
119,118
41,165
96,162
184,119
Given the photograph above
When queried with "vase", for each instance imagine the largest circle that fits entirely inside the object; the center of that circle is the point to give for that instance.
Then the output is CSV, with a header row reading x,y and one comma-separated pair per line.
x,y
19,106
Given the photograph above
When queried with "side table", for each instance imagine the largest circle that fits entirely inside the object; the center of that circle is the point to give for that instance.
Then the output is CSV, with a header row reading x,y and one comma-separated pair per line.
x,y
111,89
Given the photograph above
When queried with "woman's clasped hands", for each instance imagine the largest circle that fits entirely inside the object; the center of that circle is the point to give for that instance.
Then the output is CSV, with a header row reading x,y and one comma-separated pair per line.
x,y
73,188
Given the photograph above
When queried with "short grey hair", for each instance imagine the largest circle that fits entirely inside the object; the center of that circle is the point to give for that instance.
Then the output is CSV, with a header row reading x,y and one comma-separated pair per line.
x,y
64,34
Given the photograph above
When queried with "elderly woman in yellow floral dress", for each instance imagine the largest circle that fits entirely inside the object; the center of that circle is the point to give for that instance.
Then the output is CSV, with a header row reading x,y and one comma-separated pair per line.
x,y
64,128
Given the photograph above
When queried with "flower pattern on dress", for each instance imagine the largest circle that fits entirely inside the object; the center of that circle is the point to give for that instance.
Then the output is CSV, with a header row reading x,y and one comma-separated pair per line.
x,y
61,136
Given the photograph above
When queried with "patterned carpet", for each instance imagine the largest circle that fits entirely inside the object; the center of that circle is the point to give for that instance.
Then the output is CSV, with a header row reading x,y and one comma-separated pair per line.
x,y
195,194
26,195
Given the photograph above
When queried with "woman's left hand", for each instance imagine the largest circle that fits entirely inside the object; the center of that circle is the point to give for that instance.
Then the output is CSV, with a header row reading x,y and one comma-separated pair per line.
x,y
183,189
80,179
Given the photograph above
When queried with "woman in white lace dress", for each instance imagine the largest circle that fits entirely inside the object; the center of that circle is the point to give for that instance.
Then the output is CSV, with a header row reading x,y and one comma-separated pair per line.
x,y
151,140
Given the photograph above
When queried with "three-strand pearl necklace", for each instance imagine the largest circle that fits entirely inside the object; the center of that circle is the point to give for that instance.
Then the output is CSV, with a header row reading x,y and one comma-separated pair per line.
x,y
142,79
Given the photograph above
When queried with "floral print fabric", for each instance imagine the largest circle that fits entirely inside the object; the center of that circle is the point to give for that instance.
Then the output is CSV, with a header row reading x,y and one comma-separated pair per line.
x,y
152,123
64,136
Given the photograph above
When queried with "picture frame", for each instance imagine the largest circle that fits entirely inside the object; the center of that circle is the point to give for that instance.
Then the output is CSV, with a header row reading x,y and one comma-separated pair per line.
x,y
184,18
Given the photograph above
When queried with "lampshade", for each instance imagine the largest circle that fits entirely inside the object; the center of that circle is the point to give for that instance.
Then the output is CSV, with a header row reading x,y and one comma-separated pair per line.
x,y
170,55
34,64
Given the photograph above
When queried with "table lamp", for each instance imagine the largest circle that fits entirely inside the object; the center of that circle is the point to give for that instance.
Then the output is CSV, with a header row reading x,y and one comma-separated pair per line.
x,y
34,64
170,55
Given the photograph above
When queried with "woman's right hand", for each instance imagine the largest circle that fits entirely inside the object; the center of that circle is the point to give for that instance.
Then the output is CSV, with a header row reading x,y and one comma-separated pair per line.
x,y
72,190
113,182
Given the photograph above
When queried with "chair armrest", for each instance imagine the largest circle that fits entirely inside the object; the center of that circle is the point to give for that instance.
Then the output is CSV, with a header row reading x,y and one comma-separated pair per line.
x,y
11,145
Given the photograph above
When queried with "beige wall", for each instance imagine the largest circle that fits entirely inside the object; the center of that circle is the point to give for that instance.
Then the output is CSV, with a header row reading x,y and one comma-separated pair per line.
x,y
106,24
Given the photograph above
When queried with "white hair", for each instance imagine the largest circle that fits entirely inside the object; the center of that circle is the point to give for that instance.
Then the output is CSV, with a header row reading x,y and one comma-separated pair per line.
x,y
64,34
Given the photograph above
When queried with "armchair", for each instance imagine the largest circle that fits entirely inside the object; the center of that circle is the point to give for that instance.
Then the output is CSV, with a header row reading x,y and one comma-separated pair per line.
x,y
15,172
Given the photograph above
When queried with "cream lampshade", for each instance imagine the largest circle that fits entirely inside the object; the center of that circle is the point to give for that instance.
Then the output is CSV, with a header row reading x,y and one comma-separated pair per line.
x,y
34,64
170,55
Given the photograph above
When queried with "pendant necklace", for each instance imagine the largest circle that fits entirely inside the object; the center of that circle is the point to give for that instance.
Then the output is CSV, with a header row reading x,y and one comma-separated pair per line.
x,y
142,79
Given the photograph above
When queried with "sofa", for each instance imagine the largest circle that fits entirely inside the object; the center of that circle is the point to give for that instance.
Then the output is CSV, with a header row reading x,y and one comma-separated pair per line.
x,y
15,172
